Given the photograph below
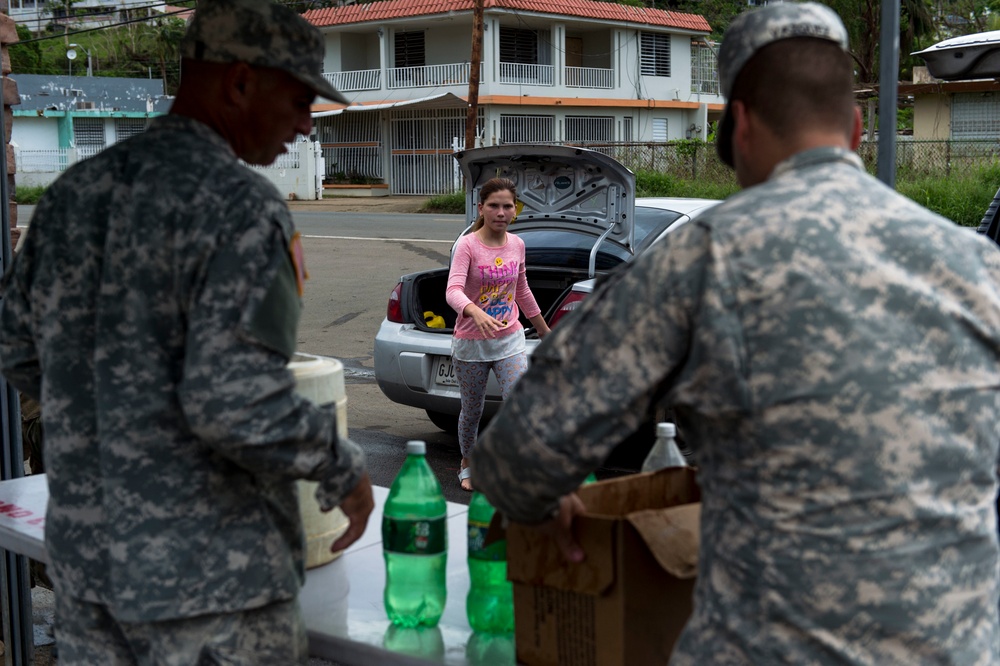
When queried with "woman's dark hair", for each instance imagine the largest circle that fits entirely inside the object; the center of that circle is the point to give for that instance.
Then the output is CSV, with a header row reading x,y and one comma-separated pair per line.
x,y
491,187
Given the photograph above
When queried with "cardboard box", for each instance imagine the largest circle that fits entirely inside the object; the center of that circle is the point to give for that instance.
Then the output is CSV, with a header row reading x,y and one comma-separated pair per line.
x,y
629,600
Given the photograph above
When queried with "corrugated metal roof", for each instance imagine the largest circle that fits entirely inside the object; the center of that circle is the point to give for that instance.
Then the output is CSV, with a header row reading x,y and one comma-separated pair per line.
x,y
591,9
61,93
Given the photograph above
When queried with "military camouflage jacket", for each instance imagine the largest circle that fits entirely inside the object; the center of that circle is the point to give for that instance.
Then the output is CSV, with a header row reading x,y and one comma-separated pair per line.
x,y
151,310
832,353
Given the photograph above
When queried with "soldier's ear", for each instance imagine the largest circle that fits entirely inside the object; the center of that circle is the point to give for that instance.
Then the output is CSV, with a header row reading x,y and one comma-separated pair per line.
x,y
238,83
857,128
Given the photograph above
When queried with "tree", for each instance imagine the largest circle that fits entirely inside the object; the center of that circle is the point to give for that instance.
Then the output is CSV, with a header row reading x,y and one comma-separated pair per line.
x,y
25,56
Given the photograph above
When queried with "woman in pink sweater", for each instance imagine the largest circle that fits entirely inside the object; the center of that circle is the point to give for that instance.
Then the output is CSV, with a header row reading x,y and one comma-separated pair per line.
x,y
487,287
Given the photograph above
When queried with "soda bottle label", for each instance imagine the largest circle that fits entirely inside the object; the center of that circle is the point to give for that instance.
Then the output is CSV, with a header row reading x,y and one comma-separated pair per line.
x,y
421,536
495,552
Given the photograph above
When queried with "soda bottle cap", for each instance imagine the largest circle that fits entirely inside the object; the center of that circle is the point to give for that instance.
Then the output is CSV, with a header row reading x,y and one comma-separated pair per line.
x,y
416,448
665,430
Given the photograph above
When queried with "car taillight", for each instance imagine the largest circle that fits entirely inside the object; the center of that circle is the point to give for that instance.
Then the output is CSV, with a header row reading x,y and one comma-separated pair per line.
x,y
394,311
570,303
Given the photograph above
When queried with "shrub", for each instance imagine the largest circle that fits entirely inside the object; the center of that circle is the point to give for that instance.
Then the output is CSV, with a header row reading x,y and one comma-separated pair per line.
x,y
29,194
445,203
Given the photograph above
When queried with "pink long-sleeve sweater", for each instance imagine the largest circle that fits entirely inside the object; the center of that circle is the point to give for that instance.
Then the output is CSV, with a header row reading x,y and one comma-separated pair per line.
x,y
494,279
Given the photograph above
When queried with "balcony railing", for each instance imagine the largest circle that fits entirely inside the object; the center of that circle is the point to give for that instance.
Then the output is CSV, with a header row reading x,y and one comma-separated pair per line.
x,y
359,79
528,75
428,76
590,77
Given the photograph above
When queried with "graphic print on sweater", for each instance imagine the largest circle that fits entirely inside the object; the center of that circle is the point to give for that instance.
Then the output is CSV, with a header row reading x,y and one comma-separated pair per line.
x,y
496,296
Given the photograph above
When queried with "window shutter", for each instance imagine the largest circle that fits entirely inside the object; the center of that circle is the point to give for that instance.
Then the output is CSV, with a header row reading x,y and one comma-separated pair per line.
x,y
409,48
655,54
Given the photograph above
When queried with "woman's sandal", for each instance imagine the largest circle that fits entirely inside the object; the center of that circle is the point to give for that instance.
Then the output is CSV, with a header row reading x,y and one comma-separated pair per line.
x,y
463,474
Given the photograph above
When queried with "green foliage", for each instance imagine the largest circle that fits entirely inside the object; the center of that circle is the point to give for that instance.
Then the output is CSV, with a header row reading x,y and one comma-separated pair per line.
x,y
25,57
445,203
904,118
147,49
29,194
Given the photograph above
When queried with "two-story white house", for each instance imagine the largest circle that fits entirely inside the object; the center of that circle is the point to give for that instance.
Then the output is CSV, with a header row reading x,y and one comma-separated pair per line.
x,y
581,72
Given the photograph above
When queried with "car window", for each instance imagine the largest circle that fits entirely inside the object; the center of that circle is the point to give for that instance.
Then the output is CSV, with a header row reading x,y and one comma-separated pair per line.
x,y
650,223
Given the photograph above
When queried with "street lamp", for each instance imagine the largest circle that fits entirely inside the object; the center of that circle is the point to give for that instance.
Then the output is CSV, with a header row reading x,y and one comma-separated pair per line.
x,y
71,54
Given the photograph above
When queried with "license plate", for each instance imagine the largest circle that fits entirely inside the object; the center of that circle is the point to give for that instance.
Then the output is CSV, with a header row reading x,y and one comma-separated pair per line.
x,y
444,372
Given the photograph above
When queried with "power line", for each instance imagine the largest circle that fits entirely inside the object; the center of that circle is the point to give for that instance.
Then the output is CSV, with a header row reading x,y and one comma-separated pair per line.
x,y
141,19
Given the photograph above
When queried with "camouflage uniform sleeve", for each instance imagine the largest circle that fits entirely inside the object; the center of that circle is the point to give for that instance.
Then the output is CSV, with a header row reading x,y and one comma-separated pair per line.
x,y
18,353
237,393
593,380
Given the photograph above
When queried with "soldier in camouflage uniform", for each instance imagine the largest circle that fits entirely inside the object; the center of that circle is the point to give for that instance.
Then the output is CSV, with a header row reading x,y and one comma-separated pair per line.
x,y
831,351
154,309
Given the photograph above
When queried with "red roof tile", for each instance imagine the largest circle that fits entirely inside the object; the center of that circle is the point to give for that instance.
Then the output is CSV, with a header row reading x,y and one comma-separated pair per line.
x,y
591,9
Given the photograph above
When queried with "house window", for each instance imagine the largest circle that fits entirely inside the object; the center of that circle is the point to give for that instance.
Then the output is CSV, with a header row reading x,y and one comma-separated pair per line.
x,y
88,136
627,128
975,116
655,54
126,128
410,49
660,129
527,129
519,46
590,129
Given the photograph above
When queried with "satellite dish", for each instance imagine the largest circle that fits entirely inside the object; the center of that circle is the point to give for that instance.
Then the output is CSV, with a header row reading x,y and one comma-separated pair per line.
x,y
71,54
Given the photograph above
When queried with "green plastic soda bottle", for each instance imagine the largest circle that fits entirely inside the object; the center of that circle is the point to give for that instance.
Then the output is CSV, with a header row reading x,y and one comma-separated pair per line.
x,y
415,543
490,602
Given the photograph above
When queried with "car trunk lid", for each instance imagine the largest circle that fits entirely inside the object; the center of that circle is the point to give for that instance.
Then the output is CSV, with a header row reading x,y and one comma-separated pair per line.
x,y
560,187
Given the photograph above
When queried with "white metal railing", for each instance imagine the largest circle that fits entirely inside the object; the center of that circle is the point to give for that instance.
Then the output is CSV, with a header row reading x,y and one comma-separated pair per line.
x,y
704,71
428,76
347,162
42,161
590,77
528,75
359,79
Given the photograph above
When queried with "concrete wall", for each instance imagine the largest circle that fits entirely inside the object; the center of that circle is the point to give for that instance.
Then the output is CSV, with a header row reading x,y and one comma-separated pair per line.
x,y
932,117
37,133
297,175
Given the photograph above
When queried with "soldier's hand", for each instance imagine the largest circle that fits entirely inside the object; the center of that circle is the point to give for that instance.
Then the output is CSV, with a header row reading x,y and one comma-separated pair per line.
x,y
357,506
560,528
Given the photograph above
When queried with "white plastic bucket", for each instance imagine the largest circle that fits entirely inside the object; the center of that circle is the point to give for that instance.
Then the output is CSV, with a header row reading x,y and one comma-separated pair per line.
x,y
320,379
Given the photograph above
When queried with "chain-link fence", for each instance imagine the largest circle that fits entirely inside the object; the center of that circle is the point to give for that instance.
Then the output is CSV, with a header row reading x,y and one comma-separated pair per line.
x,y
687,160
934,159
695,160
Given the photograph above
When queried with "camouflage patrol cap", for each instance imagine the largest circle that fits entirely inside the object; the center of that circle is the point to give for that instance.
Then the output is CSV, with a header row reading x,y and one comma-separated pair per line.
x,y
754,30
262,33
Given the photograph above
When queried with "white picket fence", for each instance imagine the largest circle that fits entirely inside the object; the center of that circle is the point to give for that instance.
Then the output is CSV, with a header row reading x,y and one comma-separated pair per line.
x,y
298,174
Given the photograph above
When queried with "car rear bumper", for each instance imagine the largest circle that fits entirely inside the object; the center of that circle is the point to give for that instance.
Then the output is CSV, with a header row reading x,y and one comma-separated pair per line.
x,y
406,361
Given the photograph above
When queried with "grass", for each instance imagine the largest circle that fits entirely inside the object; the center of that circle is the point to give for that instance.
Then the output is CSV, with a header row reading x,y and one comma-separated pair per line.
x,y
655,184
962,198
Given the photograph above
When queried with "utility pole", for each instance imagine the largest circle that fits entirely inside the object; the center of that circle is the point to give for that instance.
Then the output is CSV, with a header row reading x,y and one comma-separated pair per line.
x,y
475,64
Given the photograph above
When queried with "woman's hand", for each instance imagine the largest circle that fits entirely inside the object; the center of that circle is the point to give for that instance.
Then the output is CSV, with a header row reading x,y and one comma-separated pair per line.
x,y
541,328
486,324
